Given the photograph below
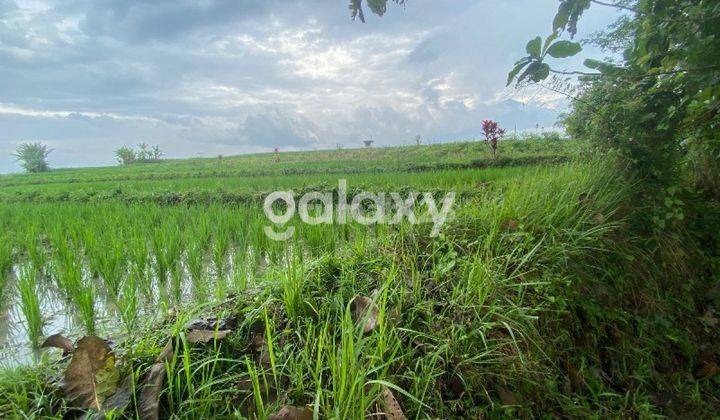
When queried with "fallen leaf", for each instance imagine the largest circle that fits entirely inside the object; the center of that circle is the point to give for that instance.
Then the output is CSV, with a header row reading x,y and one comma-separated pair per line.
x,y
365,312
91,376
153,385
228,323
507,397
709,369
393,411
204,336
59,341
292,413
121,398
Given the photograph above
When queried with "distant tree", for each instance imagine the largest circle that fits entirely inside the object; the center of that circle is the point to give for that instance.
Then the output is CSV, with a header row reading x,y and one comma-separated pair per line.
x,y
418,139
492,132
156,152
33,156
125,155
144,153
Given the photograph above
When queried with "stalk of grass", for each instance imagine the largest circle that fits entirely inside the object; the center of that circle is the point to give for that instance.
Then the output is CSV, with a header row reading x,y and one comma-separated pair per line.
x,y
30,302
257,395
128,303
85,303
292,281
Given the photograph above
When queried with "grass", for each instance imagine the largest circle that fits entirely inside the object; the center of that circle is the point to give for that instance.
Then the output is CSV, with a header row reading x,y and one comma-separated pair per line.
x,y
540,297
30,303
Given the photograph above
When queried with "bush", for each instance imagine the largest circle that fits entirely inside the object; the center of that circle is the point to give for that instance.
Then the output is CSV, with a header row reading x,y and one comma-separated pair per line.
x,y
33,156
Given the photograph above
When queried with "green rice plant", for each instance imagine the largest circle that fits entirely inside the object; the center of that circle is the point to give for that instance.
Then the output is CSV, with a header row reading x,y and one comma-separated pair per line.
x,y
30,302
221,245
292,280
111,263
127,303
35,249
84,301
195,262
6,261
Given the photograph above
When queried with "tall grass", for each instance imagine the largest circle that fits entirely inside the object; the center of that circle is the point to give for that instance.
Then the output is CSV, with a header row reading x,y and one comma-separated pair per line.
x,y
6,262
30,302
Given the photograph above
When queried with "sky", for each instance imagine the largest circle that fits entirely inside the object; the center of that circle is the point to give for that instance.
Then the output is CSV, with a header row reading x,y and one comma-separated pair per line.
x,y
209,77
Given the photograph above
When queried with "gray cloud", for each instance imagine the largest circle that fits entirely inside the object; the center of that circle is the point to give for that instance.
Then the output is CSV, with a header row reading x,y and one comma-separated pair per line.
x,y
222,76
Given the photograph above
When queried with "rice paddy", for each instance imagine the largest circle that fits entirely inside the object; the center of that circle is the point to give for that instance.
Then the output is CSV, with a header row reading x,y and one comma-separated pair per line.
x,y
460,325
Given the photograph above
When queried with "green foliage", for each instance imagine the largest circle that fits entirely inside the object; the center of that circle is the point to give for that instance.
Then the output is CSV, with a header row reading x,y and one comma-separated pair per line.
x,y
125,155
33,156
535,67
660,106
379,7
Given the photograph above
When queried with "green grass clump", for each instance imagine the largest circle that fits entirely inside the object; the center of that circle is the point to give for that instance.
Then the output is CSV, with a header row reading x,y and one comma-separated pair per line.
x,y
30,302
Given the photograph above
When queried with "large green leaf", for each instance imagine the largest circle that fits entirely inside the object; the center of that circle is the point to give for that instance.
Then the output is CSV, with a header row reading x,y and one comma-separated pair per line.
x,y
518,66
533,47
563,49
541,73
536,71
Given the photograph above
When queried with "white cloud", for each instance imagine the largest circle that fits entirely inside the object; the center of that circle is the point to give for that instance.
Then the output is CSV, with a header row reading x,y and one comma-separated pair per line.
x,y
221,76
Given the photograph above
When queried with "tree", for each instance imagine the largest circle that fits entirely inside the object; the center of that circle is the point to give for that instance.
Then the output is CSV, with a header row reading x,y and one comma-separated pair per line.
x,y
493,133
418,140
660,105
156,153
144,153
125,155
33,156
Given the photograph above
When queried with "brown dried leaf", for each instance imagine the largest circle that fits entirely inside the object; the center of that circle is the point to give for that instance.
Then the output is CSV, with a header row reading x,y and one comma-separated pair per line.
x,y
507,397
292,413
204,336
150,394
91,376
393,411
121,398
59,341
709,369
365,312
166,353
154,382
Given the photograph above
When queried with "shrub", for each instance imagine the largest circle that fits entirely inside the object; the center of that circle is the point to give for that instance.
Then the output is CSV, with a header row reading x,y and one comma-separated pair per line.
x,y
33,156
125,155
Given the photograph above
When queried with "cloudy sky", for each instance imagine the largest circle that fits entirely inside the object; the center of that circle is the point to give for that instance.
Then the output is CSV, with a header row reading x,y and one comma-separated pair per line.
x,y
208,77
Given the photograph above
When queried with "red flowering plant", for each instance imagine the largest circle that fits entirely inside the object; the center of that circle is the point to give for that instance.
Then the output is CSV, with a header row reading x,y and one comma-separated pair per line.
x,y
493,133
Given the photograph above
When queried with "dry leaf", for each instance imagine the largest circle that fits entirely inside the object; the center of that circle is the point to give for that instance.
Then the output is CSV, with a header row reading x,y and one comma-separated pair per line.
x,y
507,397
154,382
150,394
709,369
365,312
292,413
121,398
59,341
91,376
393,411
204,336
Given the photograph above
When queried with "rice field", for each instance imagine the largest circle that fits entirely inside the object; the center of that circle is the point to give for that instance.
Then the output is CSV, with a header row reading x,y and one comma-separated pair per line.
x,y
461,325
108,267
